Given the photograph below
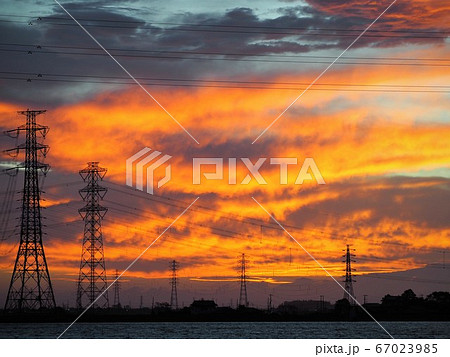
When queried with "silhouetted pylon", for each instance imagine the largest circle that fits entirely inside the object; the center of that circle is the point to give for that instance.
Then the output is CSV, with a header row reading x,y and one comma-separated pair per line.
x,y
117,291
92,278
349,293
173,282
243,300
30,286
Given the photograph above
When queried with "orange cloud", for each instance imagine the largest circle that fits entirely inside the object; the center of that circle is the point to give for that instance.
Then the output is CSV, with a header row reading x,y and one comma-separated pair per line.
x,y
359,136
414,14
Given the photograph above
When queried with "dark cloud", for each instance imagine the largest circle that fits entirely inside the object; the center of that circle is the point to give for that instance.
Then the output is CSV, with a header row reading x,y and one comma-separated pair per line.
x,y
424,202
236,34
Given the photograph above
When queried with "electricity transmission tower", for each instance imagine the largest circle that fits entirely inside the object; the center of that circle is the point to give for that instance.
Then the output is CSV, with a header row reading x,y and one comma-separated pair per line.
x,y
269,303
173,283
243,301
349,293
92,278
117,291
30,286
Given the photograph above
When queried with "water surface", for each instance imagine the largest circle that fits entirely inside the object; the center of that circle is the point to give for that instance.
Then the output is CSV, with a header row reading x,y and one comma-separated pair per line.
x,y
277,330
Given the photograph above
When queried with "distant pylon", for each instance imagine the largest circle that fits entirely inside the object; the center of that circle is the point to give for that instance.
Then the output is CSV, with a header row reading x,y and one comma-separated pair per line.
x,y
243,301
92,278
30,286
349,293
269,303
173,282
117,291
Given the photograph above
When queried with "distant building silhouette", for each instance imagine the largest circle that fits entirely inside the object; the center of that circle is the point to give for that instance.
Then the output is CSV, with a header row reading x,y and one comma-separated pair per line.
x,y
302,306
203,306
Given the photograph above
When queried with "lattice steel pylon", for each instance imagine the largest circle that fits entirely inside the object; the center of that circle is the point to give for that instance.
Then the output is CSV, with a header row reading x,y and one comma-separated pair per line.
x,y
349,293
243,301
30,287
117,291
173,283
92,278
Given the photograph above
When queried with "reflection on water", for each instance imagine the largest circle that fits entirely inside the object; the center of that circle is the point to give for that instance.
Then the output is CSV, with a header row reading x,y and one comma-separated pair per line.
x,y
296,330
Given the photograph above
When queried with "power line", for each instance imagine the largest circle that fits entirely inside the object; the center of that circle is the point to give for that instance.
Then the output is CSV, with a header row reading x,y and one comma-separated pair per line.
x,y
126,226
175,241
229,87
249,236
235,217
72,53
235,30
244,54
196,244
67,184
412,280
212,230
213,248
38,18
40,76
222,215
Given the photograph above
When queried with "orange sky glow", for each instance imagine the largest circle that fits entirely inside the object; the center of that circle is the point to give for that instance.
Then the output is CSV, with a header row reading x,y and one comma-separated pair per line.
x,y
385,158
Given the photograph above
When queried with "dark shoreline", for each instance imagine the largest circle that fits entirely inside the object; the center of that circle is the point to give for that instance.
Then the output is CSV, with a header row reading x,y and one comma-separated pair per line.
x,y
221,314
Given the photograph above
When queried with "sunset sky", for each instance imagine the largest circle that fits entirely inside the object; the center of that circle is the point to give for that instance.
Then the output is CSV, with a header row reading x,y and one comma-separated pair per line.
x,y
376,124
